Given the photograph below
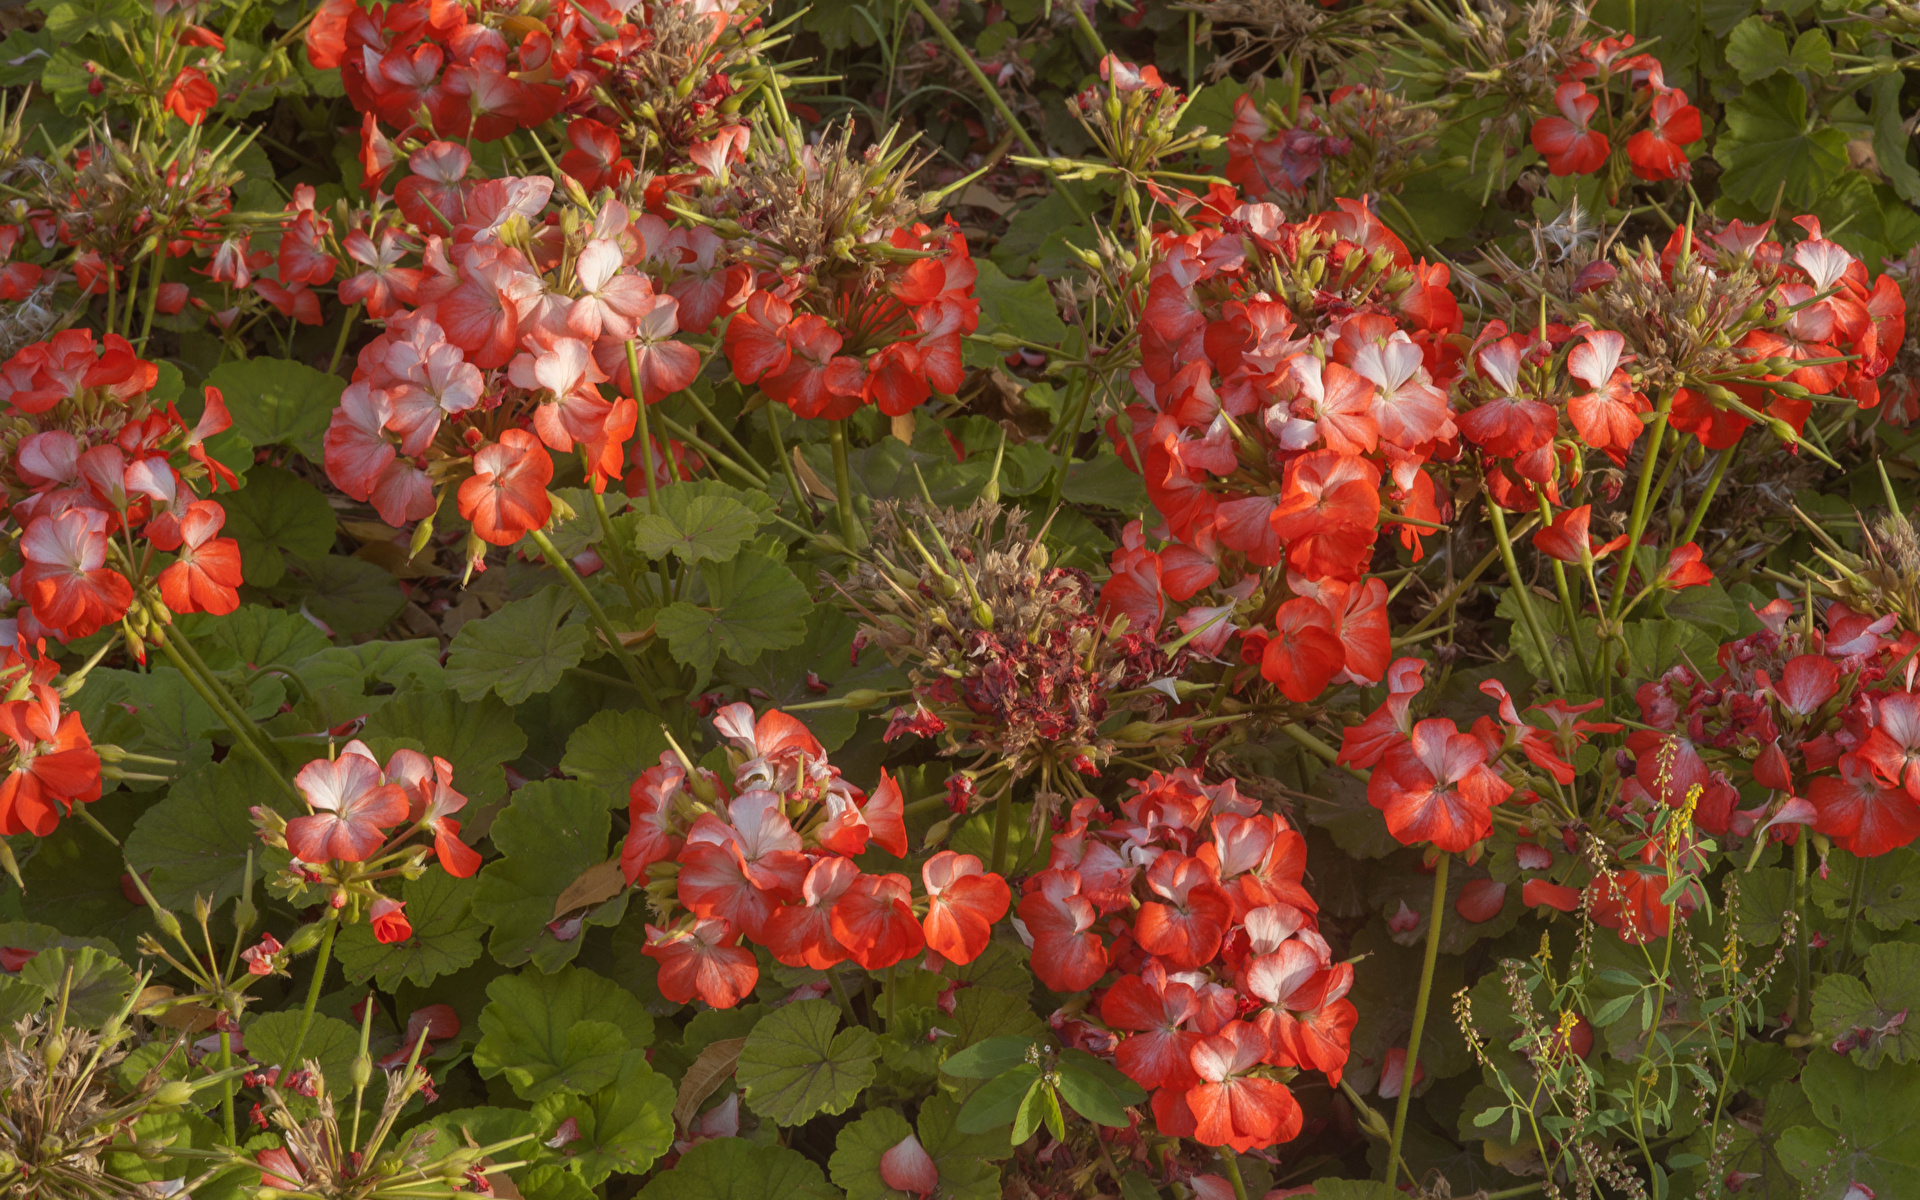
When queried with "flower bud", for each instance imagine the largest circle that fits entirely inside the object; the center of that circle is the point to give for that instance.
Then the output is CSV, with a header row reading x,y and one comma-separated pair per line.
x,y
172,1094
305,938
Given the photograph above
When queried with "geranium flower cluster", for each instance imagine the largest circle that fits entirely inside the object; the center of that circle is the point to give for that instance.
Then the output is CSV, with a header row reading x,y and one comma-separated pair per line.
x,y
1225,989
1011,664
1664,123
347,842
655,82
496,351
92,462
1291,373
851,299
49,760
1438,786
768,857
1738,328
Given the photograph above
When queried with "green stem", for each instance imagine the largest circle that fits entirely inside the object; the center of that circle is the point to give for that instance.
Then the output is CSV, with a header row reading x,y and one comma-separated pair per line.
x,y
226,1086
1099,52
890,984
1524,597
1802,1008
1072,428
153,293
1002,819
1228,1159
559,563
1637,522
1419,1021
615,556
786,466
646,434
843,488
1445,603
840,995
340,343
726,435
241,730
320,963
1706,497
1853,911
992,94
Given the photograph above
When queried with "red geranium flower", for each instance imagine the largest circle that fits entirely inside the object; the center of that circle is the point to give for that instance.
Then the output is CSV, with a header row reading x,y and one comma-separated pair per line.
x,y
1435,787
699,958
355,805
1658,151
1569,147
54,764
1232,1106
964,901
190,95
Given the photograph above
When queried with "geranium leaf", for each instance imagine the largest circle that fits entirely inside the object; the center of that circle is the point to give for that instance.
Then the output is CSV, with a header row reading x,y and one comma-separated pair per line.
x,y
1889,891
694,525
277,402
197,840
1872,1017
1869,1132
330,1042
519,651
732,1169
551,831
277,514
611,750
1771,137
986,1059
754,604
253,636
351,595
623,1127
569,1031
445,937
168,718
99,986
794,1066
855,1165
965,1159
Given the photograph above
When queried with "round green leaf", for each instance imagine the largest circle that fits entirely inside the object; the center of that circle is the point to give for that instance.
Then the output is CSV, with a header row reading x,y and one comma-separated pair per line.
x,y
277,514
732,1169
569,1031
795,1067
551,832
519,651
623,1127
445,937
855,1165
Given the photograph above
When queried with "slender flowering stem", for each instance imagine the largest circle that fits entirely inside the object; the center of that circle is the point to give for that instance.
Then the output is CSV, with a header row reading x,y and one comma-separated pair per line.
x,y
1230,1162
1706,498
559,563
340,343
744,456
242,730
1002,820
992,94
320,964
1419,1021
1523,597
843,488
1637,521
786,466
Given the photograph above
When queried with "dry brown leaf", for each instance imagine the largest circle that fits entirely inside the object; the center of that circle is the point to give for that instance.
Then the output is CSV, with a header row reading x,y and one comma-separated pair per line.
x,y
903,428
704,1078
187,1017
809,478
597,884
976,196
